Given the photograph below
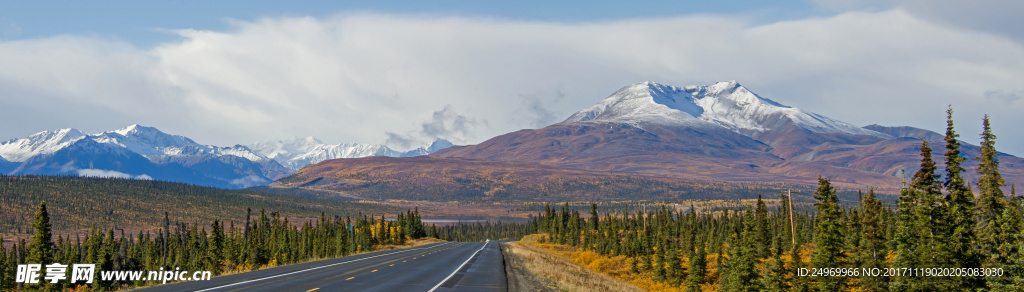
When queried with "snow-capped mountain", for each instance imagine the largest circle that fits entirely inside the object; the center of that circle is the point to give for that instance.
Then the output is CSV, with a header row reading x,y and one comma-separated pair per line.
x,y
297,152
146,152
725,104
45,142
137,152
149,142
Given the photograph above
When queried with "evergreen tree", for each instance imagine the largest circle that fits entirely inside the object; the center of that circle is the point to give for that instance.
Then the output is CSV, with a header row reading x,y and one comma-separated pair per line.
x,y
775,270
6,271
930,219
697,270
41,247
674,266
960,237
1008,253
216,247
761,229
852,240
905,241
743,274
872,243
828,236
991,200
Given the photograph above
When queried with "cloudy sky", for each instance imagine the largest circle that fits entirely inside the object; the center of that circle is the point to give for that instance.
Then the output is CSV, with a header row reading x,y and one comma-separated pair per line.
x,y
406,72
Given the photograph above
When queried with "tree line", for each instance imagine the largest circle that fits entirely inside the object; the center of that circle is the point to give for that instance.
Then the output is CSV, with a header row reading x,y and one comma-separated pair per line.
x,y
78,202
940,236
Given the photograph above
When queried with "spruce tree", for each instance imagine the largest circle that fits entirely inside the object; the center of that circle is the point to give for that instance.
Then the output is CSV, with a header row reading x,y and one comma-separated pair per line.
x,y
872,243
930,217
775,271
851,246
761,229
991,200
743,274
41,247
906,244
828,236
698,269
674,266
960,237
1008,253
216,247
6,273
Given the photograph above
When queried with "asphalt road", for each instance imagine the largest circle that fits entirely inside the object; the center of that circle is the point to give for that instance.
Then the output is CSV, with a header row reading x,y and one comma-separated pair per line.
x,y
450,266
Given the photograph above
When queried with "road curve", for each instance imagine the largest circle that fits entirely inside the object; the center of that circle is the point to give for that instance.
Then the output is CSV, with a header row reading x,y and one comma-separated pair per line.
x,y
450,266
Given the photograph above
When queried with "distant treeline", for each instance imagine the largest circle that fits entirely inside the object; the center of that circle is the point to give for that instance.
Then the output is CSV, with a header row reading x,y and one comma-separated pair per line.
x,y
78,202
487,188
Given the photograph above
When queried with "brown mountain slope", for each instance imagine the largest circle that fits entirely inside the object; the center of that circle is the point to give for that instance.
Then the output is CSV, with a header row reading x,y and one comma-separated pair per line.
x,y
456,179
654,150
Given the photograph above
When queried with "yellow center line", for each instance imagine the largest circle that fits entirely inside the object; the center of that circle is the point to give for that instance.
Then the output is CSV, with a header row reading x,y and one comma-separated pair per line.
x,y
374,271
346,279
403,261
311,290
392,265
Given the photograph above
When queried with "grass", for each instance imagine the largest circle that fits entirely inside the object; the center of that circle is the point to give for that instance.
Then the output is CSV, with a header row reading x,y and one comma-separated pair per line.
x,y
563,272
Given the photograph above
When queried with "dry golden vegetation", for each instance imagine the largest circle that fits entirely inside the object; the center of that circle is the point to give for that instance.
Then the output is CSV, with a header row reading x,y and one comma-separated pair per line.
x,y
563,272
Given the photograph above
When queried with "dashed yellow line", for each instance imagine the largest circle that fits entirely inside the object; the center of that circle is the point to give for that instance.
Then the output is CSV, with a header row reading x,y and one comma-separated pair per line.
x,y
311,290
348,279
392,265
403,261
374,271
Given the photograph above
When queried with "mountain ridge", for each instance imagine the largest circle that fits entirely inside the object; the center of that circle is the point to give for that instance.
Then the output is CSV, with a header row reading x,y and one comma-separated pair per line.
x,y
297,152
142,152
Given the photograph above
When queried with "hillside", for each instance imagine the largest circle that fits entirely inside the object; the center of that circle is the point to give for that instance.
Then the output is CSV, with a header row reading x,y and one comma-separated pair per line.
x,y
454,179
75,203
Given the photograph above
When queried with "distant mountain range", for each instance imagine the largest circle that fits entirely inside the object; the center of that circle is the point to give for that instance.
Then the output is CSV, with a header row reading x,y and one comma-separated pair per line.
x,y
719,132
145,152
296,153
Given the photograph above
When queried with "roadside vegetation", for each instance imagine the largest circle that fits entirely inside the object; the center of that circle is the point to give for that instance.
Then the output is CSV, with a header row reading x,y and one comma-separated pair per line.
x,y
563,268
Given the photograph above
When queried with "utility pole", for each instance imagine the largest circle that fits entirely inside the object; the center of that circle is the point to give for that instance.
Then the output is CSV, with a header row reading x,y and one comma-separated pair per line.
x,y
792,225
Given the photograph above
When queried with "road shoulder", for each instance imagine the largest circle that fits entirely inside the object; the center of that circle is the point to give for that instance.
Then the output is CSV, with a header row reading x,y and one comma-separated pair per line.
x,y
519,277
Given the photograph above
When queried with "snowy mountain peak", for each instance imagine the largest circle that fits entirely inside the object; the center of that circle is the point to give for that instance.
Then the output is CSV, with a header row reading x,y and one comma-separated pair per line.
x,y
726,104
147,141
439,144
297,152
643,102
45,142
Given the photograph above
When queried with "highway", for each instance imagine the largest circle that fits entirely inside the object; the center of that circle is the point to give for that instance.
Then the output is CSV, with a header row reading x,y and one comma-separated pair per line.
x,y
450,266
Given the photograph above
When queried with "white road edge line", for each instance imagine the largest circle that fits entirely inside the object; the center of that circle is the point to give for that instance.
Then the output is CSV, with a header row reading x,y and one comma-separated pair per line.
x,y
316,268
459,268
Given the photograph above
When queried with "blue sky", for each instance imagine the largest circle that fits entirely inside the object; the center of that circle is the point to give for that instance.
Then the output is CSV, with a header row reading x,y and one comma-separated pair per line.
x,y
402,73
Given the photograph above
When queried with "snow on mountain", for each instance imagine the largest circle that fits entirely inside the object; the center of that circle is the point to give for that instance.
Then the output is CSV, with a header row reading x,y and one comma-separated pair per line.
x,y
149,142
298,152
45,142
725,104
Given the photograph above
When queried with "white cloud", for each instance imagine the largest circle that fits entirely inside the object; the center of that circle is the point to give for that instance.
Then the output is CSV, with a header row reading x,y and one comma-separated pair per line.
x,y
248,181
91,172
365,77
